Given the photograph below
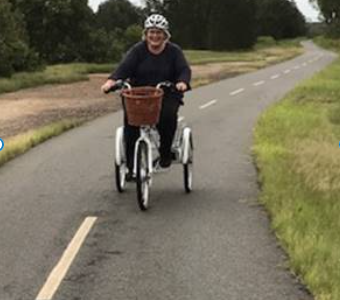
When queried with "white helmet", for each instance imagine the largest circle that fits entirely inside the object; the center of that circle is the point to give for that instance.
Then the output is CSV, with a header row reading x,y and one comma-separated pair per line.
x,y
157,21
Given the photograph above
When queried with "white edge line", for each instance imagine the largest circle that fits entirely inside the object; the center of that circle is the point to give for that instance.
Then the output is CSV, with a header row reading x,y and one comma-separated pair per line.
x,y
275,76
259,83
212,102
58,273
237,92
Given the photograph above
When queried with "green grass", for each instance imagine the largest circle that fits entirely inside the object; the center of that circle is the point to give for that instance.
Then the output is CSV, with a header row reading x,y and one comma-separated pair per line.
x,y
22,143
297,153
332,44
56,74
259,53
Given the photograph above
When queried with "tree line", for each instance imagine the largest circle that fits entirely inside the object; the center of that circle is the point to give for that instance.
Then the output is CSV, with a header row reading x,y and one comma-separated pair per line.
x,y
39,32
230,24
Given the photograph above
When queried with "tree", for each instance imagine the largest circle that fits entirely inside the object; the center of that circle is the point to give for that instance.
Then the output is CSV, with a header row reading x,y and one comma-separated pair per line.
x,y
60,29
154,6
279,19
232,25
330,9
116,15
15,54
132,35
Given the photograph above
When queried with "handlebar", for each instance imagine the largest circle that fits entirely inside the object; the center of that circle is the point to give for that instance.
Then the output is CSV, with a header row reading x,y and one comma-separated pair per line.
x,y
167,86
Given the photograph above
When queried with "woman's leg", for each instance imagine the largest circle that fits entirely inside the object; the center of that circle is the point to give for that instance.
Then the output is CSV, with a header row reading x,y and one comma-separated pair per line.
x,y
131,135
167,128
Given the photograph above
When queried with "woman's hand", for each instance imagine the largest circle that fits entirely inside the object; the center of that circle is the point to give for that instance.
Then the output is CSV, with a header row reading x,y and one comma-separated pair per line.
x,y
107,85
181,86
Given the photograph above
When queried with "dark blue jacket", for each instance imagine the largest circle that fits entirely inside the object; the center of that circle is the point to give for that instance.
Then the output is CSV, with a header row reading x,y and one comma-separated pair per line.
x,y
144,68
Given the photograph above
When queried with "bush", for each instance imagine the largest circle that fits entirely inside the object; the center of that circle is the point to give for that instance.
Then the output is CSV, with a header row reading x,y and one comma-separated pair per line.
x,y
265,41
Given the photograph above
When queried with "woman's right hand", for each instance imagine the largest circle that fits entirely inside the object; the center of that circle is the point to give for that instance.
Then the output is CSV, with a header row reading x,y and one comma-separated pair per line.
x,y
107,85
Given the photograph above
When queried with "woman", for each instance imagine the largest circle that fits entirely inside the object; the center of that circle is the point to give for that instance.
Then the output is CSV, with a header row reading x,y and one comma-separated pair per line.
x,y
148,63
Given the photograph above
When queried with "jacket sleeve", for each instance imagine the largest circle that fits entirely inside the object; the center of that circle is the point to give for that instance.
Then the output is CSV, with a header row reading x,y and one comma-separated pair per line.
x,y
183,69
127,66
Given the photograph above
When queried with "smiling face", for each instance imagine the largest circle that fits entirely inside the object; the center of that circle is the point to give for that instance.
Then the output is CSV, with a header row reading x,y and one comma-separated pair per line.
x,y
155,37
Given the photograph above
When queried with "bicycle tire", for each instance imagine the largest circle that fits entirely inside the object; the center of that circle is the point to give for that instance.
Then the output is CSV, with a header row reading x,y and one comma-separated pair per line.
x,y
188,167
120,162
120,175
142,176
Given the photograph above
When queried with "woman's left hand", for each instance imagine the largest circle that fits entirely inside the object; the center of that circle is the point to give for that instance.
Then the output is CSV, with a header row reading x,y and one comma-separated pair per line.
x,y
181,86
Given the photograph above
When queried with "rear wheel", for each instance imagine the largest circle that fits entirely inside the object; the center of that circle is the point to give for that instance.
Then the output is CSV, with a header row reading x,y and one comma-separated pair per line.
x,y
188,162
143,178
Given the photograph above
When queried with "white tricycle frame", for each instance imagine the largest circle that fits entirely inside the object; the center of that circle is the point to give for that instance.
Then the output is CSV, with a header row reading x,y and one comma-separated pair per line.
x,y
146,154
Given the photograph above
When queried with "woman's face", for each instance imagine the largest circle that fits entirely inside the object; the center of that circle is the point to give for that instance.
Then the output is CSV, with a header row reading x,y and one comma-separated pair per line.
x,y
155,37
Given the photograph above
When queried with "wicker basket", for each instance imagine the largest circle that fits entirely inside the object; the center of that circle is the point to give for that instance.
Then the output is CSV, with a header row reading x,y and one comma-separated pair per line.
x,y
143,105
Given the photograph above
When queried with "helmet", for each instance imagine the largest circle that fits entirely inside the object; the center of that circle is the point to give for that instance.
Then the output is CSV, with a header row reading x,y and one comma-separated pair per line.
x,y
157,21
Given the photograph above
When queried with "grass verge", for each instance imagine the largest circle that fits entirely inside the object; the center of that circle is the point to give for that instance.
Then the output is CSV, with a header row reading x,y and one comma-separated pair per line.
x,y
262,52
56,74
20,144
297,153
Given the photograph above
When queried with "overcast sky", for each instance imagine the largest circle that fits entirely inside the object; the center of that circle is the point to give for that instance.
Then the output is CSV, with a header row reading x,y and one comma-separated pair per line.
x,y
304,5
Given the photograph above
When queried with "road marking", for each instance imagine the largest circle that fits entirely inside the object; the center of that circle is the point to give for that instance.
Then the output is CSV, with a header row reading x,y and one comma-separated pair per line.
x,y
237,92
212,102
259,83
287,71
304,64
58,273
296,68
275,76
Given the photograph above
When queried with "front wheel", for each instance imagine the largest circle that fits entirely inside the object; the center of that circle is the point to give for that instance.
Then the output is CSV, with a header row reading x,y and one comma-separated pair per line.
x,y
120,171
188,160
143,178
120,161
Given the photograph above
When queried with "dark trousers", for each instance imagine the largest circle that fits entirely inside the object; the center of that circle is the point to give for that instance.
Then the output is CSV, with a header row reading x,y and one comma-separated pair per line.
x,y
166,126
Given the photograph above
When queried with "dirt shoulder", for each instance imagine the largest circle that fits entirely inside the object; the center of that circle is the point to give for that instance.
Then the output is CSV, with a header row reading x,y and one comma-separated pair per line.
x,y
32,108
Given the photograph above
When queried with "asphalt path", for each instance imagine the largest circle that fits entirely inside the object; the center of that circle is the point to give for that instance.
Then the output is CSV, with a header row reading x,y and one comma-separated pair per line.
x,y
215,243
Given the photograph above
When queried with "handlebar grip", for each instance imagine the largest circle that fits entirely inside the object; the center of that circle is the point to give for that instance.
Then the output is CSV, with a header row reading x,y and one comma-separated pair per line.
x,y
119,85
165,84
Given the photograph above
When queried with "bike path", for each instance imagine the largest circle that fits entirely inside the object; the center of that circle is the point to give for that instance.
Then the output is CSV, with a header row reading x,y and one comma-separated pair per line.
x,y
215,243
